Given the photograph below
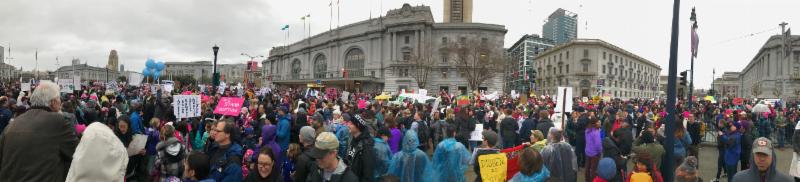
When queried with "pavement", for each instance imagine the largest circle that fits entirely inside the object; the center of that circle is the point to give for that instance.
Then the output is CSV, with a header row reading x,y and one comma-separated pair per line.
x,y
708,163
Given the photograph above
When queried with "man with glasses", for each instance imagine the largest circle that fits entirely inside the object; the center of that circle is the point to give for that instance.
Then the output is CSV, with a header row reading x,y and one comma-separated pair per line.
x,y
330,168
226,155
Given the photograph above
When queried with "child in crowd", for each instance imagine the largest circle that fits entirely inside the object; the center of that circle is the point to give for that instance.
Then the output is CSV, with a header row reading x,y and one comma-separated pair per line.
x,y
644,171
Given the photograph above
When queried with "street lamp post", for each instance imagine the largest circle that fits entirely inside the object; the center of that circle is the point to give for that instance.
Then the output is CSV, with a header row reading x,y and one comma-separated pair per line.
x,y
216,73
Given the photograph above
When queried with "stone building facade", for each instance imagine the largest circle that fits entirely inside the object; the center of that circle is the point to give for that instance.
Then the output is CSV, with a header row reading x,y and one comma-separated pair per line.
x,y
772,73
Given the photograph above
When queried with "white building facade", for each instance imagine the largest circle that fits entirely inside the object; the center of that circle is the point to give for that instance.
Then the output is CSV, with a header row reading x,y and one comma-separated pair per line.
x,y
594,67
774,72
373,55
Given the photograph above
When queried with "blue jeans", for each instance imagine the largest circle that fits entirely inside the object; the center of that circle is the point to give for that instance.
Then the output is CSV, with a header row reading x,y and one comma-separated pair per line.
x,y
731,170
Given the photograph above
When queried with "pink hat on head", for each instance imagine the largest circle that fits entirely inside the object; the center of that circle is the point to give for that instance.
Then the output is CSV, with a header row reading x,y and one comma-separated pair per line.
x,y
79,128
686,114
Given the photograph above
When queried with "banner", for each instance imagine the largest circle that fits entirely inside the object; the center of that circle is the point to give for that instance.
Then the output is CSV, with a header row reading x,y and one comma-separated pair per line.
x,y
186,106
493,167
66,85
230,106
462,100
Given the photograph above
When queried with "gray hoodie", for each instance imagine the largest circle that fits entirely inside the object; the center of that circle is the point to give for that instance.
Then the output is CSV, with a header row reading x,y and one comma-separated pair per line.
x,y
752,174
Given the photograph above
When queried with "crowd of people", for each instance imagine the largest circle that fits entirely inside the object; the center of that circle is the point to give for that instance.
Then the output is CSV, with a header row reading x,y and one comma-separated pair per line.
x,y
288,134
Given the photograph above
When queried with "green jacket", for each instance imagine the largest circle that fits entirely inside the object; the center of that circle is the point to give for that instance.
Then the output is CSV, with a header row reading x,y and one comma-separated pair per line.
x,y
655,150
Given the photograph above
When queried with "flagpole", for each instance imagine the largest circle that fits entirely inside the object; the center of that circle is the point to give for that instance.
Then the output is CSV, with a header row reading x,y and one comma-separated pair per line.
x,y
330,21
338,13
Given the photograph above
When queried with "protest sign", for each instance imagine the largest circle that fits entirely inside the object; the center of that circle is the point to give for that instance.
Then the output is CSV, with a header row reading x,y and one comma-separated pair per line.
x,y
67,85
230,106
76,81
137,144
186,106
26,86
135,79
112,85
738,101
493,167
477,134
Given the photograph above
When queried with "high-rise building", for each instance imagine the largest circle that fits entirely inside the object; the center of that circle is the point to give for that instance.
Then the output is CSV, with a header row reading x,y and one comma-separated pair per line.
x,y
561,26
522,54
113,61
457,11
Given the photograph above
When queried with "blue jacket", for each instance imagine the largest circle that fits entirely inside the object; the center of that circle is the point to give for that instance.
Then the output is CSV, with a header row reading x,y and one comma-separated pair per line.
x,y
733,147
5,118
228,167
283,132
136,123
680,145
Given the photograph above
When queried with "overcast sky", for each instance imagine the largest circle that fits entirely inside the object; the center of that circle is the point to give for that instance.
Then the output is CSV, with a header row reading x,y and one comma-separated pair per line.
x,y
731,32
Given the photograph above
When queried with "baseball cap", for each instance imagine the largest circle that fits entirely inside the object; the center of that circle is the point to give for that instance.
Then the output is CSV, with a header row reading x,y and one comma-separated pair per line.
x,y
326,142
762,145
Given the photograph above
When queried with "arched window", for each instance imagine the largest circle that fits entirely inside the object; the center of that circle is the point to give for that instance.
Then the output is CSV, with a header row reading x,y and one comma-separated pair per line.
x,y
296,68
354,62
320,66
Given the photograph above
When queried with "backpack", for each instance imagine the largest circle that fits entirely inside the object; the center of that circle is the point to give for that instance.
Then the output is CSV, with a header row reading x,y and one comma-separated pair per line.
x,y
423,132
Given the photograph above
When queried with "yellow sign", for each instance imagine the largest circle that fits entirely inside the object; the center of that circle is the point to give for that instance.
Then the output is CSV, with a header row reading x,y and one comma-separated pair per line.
x,y
493,167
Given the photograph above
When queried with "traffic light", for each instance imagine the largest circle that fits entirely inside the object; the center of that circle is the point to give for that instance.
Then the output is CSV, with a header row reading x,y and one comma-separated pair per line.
x,y
683,78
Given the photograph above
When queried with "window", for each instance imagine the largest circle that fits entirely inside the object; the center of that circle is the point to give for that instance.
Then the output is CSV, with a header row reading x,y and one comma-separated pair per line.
x,y
567,55
444,40
407,39
444,57
568,69
406,55
585,67
462,40
604,55
320,66
444,72
354,62
586,53
484,40
604,69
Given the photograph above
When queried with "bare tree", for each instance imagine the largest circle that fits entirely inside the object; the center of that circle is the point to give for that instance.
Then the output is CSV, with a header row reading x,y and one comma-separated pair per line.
x,y
422,65
477,60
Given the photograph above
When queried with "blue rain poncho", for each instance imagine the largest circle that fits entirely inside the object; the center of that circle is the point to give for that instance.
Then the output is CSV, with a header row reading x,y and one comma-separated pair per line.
x,y
383,157
542,175
410,164
450,160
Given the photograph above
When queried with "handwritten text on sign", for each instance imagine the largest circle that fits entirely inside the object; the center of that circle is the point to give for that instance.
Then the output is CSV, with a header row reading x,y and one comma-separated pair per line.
x,y
230,106
493,167
186,106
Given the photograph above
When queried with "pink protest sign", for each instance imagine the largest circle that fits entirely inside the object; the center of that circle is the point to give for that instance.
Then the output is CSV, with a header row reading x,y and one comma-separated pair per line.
x,y
230,106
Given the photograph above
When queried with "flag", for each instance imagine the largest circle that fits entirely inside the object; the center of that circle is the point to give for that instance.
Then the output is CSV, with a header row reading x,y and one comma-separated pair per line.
x,y
285,27
695,37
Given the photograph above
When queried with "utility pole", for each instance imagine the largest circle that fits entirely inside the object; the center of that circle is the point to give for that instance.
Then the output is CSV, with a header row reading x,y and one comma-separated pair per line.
x,y
668,170
693,19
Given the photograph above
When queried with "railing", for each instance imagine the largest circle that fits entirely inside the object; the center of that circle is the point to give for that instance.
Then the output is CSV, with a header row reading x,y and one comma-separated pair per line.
x,y
360,73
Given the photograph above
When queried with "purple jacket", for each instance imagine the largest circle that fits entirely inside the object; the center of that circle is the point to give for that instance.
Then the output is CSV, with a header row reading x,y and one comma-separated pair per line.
x,y
394,141
594,146
268,133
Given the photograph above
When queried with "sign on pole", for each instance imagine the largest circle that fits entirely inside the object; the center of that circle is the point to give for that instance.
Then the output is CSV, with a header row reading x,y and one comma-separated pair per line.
x,y
76,83
26,86
186,106
230,106
135,79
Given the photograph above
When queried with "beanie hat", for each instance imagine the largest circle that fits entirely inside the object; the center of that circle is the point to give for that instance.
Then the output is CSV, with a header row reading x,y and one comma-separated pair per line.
x,y
606,169
307,134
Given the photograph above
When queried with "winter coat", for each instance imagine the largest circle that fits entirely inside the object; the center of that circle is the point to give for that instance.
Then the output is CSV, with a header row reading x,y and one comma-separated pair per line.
x,y
342,173
544,126
169,161
361,157
593,143
733,147
508,131
226,162
655,150
394,141
681,144
100,156
26,155
304,164
525,130
283,132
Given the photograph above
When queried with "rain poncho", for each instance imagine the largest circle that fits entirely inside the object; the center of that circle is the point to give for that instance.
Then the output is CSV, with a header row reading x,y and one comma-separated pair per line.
x,y
450,160
410,164
383,157
561,160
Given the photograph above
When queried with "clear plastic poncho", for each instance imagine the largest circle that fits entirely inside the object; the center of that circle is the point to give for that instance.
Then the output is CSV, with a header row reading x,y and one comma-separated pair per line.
x,y
410,164
450,160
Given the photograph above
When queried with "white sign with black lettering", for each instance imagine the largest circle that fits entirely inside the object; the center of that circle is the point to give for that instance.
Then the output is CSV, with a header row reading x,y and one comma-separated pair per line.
x,y
186,106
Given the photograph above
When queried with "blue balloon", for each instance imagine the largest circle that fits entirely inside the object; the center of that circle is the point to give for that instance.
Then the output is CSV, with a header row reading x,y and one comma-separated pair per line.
x,y
156,74
146,72
150,64
160,66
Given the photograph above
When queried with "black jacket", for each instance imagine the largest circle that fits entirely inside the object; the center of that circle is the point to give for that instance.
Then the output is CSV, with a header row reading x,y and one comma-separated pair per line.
x,y
525,130
544,126
304,165
508,128
694,132
346,176
360,158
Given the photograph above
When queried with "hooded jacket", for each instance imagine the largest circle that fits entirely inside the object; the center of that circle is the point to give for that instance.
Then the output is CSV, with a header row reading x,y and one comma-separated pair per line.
x,y
268,133
410,164
450,160
753,175
283,131
227,166
383,157
170,156
100,156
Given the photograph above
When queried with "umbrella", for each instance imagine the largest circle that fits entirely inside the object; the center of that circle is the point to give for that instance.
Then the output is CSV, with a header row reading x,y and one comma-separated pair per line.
x,y
760,108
